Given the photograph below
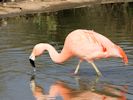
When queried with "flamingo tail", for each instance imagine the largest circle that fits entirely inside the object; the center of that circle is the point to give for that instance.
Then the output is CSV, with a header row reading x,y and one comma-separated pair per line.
x,y
123,55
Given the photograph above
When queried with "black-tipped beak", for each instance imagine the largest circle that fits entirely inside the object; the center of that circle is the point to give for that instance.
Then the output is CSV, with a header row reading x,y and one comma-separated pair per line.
x,y
32,63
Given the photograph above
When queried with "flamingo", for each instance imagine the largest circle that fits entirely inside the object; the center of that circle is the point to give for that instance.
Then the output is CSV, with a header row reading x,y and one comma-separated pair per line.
x,y
87,45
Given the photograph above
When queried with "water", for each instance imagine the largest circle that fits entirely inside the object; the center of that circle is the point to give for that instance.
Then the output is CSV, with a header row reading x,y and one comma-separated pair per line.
x,y
19,34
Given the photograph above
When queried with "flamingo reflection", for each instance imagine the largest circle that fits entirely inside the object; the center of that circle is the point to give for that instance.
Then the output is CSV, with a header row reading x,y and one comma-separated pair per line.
x,y
63,90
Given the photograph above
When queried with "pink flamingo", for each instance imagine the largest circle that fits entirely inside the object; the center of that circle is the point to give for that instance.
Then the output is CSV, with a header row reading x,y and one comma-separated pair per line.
x,y
85,44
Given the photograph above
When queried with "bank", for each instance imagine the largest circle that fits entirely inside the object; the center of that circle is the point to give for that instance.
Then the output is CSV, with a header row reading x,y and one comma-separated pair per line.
x,y
10,9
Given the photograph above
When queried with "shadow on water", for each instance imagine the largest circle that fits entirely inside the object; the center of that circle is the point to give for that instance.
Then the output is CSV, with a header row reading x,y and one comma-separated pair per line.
x,y
19,34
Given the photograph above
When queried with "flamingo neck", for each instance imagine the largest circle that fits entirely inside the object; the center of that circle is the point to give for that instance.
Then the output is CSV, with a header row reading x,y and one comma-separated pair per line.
x,y
55,56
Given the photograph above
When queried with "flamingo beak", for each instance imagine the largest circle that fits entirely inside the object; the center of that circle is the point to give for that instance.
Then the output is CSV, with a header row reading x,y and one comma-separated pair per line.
x,y
32,64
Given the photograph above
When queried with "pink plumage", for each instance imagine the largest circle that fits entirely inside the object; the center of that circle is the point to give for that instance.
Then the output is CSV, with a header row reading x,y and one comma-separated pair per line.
x,y
86,44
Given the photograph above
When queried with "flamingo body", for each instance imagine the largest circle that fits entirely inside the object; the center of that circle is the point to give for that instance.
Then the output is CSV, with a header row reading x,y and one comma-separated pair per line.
x,y
85,44
90,45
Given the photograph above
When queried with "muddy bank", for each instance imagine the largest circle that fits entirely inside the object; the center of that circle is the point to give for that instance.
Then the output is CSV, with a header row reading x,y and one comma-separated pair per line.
x,y
26,7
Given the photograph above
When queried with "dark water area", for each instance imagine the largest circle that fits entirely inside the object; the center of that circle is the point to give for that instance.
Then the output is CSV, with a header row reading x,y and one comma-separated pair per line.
x,y
19,34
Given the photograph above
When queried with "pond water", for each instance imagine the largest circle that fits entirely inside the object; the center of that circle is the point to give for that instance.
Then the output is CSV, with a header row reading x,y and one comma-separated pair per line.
x,y
19,34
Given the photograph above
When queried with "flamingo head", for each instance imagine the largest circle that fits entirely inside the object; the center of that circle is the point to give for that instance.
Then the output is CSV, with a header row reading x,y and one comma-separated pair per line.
x,y
37,51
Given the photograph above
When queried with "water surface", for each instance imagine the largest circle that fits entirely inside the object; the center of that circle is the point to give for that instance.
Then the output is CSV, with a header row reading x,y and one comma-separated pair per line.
x,y
19,34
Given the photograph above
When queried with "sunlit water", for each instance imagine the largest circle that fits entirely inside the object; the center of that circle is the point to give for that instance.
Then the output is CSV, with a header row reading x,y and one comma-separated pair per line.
x,y
18,36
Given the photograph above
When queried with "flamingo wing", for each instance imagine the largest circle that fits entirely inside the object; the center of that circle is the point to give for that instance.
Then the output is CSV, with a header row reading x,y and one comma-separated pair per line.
x,y
91,45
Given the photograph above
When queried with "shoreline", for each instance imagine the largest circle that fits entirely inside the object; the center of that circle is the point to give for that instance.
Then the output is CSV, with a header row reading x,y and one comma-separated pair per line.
x,y
28,7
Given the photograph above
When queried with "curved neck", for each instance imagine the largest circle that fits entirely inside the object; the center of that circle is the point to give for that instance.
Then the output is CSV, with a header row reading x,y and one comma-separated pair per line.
x,y
55,56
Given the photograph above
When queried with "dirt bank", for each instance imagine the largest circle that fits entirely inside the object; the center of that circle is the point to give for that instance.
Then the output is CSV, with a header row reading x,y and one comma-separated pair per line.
x,y
24,7
33,6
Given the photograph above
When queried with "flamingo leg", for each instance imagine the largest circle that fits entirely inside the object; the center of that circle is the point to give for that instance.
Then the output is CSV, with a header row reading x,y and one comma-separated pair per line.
x,y
96,69
77,68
